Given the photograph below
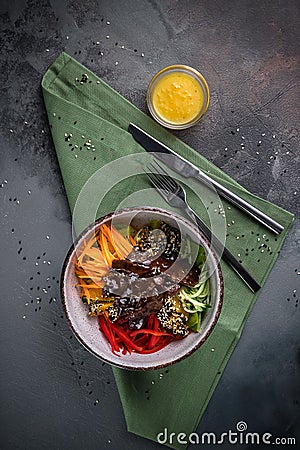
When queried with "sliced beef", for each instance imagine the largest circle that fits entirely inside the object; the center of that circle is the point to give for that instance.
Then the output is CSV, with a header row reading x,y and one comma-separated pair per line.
x,y
179,271
140,288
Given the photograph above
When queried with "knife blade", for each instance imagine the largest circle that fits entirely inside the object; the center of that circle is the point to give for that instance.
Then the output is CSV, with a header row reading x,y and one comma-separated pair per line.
x,y
189,170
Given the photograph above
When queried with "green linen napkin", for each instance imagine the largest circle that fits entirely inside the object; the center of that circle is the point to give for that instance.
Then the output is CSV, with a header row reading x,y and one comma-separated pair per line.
x,y
89,122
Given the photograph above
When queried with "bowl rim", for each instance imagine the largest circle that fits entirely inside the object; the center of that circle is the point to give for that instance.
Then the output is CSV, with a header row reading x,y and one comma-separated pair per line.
x,y
108,217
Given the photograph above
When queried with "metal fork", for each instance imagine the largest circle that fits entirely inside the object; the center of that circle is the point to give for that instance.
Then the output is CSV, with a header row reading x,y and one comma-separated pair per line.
x,y
174,194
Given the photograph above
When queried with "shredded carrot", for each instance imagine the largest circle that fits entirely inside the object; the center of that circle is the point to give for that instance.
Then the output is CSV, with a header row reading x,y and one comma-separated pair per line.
x,y
91,286
121,243
105,250
115,249
118,243
132,241
95,257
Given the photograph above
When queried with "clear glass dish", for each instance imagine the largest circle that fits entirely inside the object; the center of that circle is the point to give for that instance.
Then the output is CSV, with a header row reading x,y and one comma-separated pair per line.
x,y
188,98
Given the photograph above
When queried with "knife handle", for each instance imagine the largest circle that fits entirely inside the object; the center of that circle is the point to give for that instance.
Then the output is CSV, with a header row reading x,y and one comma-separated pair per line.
x,y
223,252
242,204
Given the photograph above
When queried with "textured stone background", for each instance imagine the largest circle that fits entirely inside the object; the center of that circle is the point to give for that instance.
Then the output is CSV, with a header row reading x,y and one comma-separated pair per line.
x,y
55,395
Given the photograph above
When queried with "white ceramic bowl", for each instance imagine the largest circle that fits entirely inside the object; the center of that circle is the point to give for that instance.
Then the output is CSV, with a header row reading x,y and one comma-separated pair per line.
x,y
86,328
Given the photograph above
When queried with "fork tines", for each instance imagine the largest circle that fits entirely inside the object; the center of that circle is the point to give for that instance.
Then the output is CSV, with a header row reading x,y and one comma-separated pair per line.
x,y
159,177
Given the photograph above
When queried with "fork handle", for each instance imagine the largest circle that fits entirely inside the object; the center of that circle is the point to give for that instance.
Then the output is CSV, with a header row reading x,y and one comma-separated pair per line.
x,y
224,252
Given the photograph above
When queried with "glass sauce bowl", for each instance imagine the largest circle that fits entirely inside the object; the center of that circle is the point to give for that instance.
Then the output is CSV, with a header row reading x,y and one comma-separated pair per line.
x,y
178,96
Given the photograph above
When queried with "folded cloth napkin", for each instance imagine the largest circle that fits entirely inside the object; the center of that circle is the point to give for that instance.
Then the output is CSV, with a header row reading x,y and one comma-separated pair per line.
x,y
89,122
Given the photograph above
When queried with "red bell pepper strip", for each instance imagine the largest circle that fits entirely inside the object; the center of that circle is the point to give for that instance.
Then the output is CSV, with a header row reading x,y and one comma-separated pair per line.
x,y
142,341
150,321
114,338
157,347
154,339
109,335
125,338
147,331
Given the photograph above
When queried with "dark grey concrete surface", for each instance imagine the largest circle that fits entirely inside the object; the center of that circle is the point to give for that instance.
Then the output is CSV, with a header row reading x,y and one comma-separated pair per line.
x,y
54,394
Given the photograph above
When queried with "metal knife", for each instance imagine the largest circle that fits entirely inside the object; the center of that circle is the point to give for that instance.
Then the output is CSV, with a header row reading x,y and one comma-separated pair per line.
x,y
189,170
